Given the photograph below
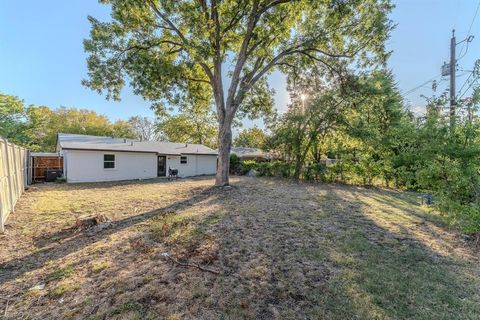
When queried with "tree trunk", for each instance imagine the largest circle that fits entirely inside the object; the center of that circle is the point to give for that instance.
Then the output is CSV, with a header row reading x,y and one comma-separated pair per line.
x,y
298,167
225,144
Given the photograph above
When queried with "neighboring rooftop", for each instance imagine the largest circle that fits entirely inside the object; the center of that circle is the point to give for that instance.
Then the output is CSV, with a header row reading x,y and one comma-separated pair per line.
x,y
86,142
249,153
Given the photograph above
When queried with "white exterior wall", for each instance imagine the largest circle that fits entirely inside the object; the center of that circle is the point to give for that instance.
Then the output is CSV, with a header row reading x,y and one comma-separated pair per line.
x,y
184,170
196,165
206,164
87,166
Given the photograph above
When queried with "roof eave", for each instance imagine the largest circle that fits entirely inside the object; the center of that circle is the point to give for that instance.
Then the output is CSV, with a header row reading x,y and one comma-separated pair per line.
x,y
110,150
201,154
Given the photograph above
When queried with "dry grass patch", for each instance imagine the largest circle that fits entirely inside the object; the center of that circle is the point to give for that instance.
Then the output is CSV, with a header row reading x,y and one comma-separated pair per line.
x,y
284,250
65,287
62,273
98,266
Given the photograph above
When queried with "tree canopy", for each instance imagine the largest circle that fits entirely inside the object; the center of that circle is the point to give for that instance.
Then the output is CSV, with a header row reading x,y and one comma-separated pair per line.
x,y
361,132
144,128
36,127
13,119
177,50
251,137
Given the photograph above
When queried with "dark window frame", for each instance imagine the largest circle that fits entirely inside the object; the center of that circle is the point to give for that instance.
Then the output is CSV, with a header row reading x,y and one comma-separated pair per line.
x,y
183,160
109,161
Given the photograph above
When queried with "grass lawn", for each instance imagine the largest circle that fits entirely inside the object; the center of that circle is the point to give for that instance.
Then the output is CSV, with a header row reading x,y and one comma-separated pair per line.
x,y
283,250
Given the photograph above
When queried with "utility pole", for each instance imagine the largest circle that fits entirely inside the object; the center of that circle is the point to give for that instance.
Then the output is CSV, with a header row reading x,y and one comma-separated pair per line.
x,y
453,67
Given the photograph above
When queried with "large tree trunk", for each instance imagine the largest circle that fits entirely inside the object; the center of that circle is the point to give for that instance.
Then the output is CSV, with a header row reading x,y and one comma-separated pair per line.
x,y
225,144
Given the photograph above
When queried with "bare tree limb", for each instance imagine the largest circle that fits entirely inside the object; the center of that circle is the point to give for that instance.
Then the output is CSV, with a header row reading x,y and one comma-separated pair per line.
x,y
167,21
194,265
270,6
239,15
199,80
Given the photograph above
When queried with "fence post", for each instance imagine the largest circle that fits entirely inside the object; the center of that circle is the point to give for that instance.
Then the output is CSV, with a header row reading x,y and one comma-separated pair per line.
x,y
2,227
15,171
2,204
9,174
27,167
30,167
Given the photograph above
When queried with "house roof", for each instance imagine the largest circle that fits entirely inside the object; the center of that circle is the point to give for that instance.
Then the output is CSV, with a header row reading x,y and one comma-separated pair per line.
x,y
249,152
99,143
44,154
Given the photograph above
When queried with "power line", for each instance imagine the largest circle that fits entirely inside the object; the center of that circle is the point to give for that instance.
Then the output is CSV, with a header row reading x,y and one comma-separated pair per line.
x,y
473,20
470,29
432,80
465,72
421,85
452,70
463,85
466,50
468,88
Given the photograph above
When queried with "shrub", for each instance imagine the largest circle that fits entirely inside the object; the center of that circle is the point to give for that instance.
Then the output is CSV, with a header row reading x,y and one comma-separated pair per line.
x,y
235,165
315,172
275,168
61,179
281,169
263,169
335,172
248,165
465,217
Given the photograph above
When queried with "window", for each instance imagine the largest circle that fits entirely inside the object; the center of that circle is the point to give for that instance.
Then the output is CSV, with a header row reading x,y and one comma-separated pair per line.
x,y
183,159
108,161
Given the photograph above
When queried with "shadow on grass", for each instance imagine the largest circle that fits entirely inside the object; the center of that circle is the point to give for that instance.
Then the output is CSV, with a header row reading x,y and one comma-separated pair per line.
x,y
65,242
281,256
382,277
286,253
335,264
113,184
402,204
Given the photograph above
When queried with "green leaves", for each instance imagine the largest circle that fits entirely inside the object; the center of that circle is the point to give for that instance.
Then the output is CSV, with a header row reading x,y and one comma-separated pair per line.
x,y
36,127
195,123
162,47
251,138
12,119
175,52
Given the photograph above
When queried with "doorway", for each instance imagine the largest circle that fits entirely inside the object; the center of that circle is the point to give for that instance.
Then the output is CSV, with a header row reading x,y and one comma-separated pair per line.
x,y
162,166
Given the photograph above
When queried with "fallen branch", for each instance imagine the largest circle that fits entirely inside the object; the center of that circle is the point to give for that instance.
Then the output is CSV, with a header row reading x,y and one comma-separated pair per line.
x,y
6,305
189,264
6,309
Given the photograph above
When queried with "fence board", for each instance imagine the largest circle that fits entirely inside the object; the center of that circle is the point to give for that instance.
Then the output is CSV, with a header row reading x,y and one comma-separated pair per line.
x,y
13,177
41,164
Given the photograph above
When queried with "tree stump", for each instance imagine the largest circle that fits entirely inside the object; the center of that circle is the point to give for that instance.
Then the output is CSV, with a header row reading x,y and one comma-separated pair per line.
x,y
90,222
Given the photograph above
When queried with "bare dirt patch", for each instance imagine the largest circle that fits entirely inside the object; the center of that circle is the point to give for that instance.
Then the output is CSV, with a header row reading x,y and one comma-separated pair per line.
x,y
283,251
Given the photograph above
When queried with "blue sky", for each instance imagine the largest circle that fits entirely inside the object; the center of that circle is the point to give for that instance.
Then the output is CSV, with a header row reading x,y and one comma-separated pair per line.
x,y
42,59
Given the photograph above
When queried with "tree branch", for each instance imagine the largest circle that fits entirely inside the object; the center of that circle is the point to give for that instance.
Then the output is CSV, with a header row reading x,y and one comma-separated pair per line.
x,y
236,18
242,55
167,21
139,47
270,6
198,80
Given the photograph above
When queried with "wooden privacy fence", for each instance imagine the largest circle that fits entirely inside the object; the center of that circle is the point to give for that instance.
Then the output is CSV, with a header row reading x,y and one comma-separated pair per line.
x,y
43,162
13,177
